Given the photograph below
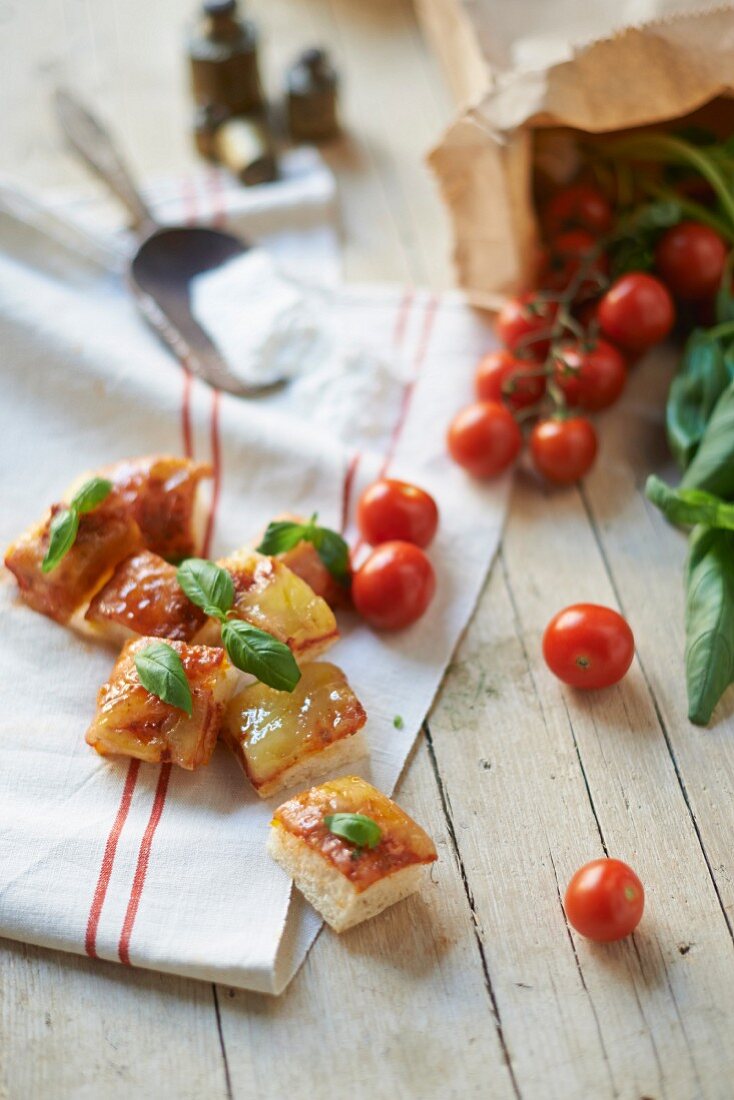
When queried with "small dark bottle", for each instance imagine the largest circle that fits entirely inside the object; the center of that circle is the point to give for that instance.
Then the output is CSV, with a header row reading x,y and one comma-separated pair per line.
x,y
312,84
223,56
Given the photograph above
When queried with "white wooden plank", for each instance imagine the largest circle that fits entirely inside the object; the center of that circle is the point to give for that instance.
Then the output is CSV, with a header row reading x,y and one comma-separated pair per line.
x,y
77,1029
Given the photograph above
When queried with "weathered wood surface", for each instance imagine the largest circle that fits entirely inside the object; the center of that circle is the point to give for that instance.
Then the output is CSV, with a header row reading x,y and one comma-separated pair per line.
x,y
478,987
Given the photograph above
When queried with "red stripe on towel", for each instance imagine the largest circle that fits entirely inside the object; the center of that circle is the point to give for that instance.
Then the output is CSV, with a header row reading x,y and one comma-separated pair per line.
x,y
347,487
420,357
142,866
216,451
108,859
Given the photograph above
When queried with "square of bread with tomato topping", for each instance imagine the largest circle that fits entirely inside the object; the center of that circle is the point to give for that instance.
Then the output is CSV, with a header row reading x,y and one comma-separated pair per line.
x,y
350,850
143,597
131,721
286,739
271,597
104,537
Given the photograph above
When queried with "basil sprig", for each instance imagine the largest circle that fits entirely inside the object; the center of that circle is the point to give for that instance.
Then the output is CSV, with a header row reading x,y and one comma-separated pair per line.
x,y
162,673
358,829
65,524
250,649
283,535
689,507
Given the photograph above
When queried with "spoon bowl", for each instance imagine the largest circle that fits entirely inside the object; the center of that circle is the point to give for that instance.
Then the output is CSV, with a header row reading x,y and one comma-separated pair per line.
x,y
167,258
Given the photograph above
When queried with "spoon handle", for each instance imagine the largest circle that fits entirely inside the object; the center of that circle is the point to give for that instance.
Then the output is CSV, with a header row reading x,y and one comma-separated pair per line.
x,y
94,144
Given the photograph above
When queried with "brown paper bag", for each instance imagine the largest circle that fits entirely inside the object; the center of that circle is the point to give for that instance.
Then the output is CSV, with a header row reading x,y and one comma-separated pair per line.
x,y
521,97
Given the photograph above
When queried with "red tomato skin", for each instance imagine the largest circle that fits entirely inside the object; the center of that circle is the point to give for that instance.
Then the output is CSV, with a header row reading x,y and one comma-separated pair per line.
x,y
567,253
390,509
524,324
636,312
501,376
563,451
591,379
394,586
604,900
579,206
484,438
690,258
588,646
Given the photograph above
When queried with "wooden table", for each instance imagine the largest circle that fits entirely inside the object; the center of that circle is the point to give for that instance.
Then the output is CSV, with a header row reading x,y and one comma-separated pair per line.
x,y
477,987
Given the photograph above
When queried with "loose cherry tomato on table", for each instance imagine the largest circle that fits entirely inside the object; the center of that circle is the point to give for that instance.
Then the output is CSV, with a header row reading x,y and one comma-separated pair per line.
x,y
391,509
579,206
501,376
524,323
484,438
591,376
691,257
588,646
604,900
563,450
636,312
568,252
394,586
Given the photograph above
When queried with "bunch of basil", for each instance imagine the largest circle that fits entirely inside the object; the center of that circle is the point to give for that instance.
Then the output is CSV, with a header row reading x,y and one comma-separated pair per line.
x,y
700,425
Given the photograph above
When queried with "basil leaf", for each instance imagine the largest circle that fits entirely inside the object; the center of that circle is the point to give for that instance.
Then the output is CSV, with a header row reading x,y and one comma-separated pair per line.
x,y
207,585
162,673
62,533
712,467
255,651
91,495
724,296
709,621
706,370
282,535
356,828
333,551
689,507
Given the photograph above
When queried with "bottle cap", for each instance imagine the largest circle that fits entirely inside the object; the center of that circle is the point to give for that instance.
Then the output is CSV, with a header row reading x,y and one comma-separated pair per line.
x,y
220,7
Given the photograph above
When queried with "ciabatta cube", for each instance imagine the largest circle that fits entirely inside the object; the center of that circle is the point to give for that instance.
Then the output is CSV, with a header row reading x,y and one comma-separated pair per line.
x,y
130,721
286,739
347,884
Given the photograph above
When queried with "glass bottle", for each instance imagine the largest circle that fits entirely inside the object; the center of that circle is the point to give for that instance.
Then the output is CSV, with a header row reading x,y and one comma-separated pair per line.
x,y
312,84
223,57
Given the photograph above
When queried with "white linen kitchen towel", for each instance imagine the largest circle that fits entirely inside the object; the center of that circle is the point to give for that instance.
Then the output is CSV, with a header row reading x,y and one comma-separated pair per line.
x,y
154,866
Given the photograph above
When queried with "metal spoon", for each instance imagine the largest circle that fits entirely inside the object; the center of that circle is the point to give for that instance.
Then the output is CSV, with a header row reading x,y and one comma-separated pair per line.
x,y
168,257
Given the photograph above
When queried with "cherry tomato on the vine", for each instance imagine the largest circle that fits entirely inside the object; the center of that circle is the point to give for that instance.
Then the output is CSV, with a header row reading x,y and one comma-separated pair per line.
x,y
588,646
390,509
524,323
484,438
691,257
604,900
579,206
394,586
591,376
636,312
567,254
501,376
563,450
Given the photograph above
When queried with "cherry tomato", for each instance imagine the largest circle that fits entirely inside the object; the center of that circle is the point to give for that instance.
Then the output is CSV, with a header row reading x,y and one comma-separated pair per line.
x,y
524,323
691,258
391,509
588,646
501,376
604,900
484,438
636,312
567,254
394,586
591,376
563,450
580,206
